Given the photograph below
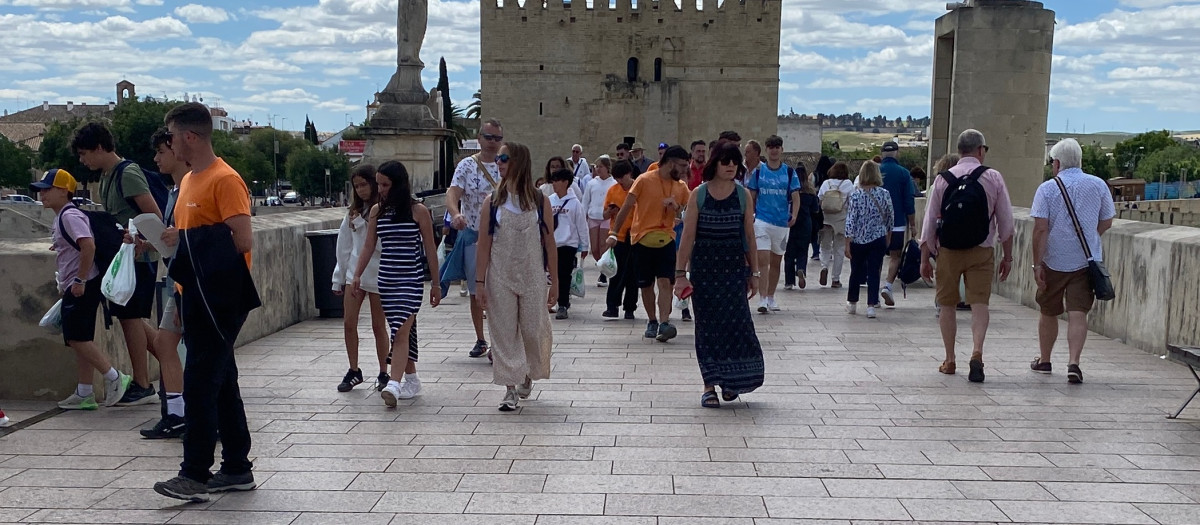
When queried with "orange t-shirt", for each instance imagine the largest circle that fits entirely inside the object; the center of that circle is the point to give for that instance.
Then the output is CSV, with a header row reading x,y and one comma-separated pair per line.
x,y
211,197
650,214
616,197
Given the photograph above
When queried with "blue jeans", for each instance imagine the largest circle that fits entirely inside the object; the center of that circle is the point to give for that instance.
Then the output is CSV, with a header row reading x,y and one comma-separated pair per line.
x,y
866,261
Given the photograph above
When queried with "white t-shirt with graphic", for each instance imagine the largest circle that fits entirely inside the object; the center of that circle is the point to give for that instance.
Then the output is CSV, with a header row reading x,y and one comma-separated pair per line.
x,y
475,188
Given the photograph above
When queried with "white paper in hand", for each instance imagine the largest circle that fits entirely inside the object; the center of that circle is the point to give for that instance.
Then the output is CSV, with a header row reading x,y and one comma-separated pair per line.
x,y
151,227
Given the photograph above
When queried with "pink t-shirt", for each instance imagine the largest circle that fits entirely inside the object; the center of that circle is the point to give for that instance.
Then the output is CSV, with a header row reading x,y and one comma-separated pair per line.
x,y
77,226
999,205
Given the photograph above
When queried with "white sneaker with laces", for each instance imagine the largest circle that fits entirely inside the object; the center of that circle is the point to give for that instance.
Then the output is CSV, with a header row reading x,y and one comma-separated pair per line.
x,y
870,312
390,393
886,293
763,307
410,388
851,308
771,304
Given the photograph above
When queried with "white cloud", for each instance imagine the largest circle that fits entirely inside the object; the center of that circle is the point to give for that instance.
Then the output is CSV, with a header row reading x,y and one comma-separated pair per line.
x,y
339,105
201,14
284,96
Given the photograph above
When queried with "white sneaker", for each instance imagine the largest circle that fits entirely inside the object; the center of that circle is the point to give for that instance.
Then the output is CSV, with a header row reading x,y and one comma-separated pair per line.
x,y
763,307
771,304
115,390
886,293
870,312
410,388
601,284
4,421
851,308
789,287
390,393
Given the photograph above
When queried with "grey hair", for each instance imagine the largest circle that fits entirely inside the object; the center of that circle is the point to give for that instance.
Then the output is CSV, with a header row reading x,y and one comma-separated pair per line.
x,y
969,141
1068,153
573,146
492,122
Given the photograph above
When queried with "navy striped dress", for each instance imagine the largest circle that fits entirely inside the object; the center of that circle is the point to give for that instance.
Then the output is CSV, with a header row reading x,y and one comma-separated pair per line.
x,y
727,347
401,286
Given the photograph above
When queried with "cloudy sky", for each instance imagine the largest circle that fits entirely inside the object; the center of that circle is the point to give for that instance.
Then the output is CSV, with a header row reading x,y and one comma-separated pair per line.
x,y
1126,65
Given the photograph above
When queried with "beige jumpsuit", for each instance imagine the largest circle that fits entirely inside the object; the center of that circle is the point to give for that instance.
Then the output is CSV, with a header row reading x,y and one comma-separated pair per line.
x,y
517,293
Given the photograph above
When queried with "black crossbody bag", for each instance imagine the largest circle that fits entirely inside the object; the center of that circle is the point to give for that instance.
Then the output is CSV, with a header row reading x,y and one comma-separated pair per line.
x,y
1097,274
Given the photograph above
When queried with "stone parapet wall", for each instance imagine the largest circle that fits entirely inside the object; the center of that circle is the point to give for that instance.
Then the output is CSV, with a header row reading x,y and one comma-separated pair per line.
x,y
36,365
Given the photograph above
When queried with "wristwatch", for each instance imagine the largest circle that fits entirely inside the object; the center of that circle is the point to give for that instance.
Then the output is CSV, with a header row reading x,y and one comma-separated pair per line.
x,y
77,280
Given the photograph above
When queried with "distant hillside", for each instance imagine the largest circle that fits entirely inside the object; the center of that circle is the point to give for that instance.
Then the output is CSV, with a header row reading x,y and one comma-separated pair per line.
x,y
1106,139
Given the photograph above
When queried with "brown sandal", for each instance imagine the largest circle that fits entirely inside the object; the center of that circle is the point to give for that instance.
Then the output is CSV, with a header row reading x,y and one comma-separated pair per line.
x,y
947,367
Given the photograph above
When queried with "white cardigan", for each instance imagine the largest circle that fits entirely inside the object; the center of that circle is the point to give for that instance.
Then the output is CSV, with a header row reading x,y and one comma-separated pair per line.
x,y
351,237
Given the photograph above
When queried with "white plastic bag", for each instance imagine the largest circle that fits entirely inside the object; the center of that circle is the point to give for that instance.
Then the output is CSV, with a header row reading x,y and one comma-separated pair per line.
x,y
441,253
121,280
578,289
608,264
678,304
53,317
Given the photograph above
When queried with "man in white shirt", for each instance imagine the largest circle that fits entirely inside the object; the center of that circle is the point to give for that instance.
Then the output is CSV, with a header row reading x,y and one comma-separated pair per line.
x,y
1060,265
581,170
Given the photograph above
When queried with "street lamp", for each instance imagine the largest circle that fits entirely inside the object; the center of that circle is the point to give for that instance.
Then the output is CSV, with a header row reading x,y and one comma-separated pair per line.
x,y
327,186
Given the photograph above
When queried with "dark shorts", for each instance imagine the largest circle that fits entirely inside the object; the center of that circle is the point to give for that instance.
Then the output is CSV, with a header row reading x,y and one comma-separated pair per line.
x,y
142,302
79,313
897,243
651,264
1073,287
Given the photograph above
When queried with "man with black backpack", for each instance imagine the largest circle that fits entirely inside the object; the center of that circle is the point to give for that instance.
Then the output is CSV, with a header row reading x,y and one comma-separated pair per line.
x,y
126,191
968,213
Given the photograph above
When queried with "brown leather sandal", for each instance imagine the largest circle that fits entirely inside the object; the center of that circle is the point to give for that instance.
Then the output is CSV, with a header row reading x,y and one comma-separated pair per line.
x,y
947,367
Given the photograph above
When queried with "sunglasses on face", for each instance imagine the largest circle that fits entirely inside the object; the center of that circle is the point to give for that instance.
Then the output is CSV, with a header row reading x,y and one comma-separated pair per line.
x,y
489,136
985,148
503,157
727,162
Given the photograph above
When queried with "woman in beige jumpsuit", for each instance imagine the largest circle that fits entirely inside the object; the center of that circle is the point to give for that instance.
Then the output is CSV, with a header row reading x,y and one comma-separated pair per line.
x,y
512,263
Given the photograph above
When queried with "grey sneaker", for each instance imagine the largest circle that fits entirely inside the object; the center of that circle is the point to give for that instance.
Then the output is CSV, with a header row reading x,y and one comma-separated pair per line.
x,y
651,329
525,389
511,400
666,332
115,390
183,488
561,313
222,482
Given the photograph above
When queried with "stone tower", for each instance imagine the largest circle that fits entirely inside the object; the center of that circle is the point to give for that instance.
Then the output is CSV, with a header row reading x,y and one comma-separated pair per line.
x,y
558,73
991,72
125,92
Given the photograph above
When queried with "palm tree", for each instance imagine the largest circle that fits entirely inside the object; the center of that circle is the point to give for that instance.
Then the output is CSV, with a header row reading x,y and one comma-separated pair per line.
x,y
475,108
461,131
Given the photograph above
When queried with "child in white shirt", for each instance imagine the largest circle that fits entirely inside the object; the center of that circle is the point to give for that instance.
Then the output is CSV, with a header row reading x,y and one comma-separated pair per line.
x,y
570,234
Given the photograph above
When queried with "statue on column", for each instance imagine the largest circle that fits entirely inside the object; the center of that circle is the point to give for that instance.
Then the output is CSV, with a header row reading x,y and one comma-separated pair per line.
x,y
411,19
404,102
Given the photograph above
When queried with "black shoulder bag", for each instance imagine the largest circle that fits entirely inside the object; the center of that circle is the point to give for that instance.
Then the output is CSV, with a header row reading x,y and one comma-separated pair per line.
x,y
1097,273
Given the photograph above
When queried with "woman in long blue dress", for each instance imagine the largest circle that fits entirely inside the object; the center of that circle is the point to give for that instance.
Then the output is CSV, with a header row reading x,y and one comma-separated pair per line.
x,y
717,249
404,228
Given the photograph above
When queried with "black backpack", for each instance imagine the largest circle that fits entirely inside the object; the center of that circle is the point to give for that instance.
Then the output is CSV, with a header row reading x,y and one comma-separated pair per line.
x,y
154,179
107,235
965,221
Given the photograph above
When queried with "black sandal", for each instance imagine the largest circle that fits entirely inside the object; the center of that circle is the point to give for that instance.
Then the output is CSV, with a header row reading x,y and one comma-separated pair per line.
x,y
728,396
709,400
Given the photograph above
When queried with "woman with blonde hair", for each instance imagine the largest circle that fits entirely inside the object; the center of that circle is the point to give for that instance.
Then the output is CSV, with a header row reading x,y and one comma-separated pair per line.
x,y
512,263
868,231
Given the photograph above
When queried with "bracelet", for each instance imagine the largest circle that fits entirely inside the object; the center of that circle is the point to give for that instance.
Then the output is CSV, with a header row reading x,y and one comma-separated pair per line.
x,y
756,274
680,272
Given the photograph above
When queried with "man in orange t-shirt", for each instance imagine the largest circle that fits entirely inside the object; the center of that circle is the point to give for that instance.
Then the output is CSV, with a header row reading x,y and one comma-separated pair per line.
x,y
625,281
213,213
653,205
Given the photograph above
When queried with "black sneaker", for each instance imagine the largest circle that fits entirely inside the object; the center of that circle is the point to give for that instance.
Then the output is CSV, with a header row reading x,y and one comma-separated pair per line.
x,y
222,482
352,379
382,381
629,315
1039,366
651,329
976,374
183,488
169,427
666,332
611,314
686,315
480,349
1074,374
137,395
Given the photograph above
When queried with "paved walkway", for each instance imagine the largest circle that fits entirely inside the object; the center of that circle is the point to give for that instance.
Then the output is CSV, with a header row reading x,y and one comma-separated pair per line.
x,y
854,425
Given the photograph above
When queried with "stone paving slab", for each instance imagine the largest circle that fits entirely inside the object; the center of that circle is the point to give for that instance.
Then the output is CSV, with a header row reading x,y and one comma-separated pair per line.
x,y
854,426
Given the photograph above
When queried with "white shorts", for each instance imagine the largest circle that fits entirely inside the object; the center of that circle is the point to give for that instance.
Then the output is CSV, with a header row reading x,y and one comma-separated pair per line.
x,y
770,237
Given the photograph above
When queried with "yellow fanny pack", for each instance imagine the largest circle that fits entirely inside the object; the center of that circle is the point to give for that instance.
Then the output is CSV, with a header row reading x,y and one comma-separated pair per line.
x,y
655,239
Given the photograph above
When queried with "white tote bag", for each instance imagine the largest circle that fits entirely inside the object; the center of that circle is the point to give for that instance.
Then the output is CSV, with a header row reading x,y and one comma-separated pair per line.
x,y
120,280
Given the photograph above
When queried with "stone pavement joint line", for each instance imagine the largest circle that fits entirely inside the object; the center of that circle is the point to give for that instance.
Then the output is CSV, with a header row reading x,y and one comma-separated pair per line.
x,y
854,426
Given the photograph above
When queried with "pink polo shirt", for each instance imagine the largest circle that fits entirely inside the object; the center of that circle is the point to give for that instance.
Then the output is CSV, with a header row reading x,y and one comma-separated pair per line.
x,y
999,205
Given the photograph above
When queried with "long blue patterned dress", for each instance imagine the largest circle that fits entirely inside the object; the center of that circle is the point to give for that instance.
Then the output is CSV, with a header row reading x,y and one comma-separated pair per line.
x,y
726,346
401,284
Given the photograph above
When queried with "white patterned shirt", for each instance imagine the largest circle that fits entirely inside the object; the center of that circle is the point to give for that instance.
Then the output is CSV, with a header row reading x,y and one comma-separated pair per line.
x,y
1093,203
475,188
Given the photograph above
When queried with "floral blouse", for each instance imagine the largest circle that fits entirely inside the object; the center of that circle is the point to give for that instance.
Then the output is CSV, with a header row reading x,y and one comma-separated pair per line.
x,y
868,215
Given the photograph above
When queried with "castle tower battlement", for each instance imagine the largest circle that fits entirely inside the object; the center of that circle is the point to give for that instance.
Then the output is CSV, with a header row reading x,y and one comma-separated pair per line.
x,y
557,73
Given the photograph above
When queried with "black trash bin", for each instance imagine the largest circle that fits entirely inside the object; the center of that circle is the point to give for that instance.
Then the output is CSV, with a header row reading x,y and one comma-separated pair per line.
x,y
324,259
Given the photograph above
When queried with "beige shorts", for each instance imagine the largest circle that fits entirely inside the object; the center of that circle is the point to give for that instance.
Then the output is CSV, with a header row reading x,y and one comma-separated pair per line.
x,y
975,266
771,237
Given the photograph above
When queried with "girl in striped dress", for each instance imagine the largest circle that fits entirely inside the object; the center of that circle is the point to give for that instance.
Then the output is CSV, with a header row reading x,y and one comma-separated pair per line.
x,y
404,227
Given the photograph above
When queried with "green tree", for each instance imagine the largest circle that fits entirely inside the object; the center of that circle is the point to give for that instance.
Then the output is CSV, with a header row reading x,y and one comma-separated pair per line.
x,y
475,108
306,167
133,122
16,161
1097,161
262,140
1130,153
55,151
450,145
1170,160
310,132
254,166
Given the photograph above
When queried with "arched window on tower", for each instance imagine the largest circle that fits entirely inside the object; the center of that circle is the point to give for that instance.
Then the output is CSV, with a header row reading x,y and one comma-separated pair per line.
x,y
632,69
658,70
